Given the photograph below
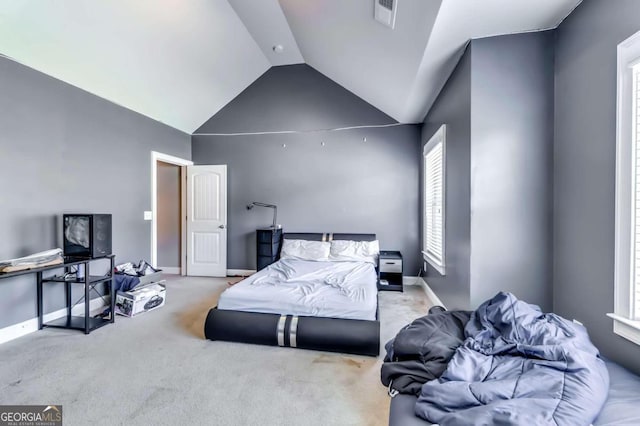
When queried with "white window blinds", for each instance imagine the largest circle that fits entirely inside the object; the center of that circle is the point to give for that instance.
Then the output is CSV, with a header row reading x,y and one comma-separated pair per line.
x,y
635,202
434,200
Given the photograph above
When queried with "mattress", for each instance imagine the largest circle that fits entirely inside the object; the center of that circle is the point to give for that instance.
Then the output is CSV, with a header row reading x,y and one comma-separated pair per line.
x,y
307,288
621,408
623,404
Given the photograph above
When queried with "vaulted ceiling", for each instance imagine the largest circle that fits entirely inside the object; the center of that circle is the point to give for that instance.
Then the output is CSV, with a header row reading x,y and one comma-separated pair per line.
x,y
180,62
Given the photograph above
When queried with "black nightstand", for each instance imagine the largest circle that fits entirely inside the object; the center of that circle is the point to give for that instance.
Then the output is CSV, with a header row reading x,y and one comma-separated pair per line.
x,y
267,246
390,271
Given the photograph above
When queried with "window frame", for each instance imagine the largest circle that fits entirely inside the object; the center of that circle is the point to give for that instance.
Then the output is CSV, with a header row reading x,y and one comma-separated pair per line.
x,y
624,324
438,137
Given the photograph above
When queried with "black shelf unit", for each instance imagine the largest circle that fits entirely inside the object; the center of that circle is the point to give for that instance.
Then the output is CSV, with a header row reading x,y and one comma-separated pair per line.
x,y
84,323
268,242
78,323
390,270
93,279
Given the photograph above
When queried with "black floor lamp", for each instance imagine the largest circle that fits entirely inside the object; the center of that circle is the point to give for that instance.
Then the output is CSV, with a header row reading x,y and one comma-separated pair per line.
x,y
271,206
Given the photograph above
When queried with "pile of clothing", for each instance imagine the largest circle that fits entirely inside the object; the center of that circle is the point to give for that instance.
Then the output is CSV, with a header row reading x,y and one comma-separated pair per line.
x,y
505,363
139,270
36,260
127,275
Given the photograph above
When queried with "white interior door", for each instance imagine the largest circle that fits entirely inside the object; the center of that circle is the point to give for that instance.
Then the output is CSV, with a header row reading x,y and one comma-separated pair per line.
x,y
207,221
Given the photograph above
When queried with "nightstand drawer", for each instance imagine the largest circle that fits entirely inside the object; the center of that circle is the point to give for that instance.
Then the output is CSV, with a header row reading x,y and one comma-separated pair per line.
x,y
391,265
269,236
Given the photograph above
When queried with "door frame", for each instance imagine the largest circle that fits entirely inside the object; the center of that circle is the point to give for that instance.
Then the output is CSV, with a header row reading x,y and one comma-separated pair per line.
x,y
166,158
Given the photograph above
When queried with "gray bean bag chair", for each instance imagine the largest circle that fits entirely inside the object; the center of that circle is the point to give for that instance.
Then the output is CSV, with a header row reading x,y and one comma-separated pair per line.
x,y
518,366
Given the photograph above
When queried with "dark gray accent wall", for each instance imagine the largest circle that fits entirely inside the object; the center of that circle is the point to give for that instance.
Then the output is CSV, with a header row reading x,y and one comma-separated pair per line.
x,y
347,185
168,214
512,167
453,108
584,168
293,97
498,108
65,150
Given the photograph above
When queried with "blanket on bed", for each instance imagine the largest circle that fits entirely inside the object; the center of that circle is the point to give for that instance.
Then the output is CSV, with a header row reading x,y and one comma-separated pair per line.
x,y
518,366
421,350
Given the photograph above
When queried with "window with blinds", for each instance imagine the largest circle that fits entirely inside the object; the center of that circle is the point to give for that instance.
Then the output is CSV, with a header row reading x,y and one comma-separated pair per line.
x,y
635,199
626,312
434,187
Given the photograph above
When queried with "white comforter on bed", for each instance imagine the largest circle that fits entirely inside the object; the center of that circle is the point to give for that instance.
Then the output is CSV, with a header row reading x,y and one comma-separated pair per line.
x,y
307,288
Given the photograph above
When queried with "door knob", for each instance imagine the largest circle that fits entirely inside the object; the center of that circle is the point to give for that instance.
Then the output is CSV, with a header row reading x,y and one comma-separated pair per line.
x,y
221,226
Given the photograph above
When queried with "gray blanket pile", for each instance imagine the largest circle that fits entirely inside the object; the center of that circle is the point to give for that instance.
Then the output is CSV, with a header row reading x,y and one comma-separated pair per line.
x,y
517,366
421,350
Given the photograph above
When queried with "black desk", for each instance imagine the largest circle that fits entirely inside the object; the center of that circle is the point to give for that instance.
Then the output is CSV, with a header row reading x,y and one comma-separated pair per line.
x,y
89,281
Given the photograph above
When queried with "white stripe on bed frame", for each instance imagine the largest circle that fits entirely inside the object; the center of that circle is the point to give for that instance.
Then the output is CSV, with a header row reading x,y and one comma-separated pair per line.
x,y
280,329
293,332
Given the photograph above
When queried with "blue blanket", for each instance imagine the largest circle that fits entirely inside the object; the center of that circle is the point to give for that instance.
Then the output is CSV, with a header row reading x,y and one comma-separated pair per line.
x,y
124,282
518,366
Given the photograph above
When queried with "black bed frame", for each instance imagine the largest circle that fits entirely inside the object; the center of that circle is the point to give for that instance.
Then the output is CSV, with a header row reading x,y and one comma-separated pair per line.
x,y
318,333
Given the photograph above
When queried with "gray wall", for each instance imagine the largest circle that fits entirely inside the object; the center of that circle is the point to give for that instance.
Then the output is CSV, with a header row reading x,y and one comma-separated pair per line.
x,y
168,215
348,185
584,168
293,97
453,108
498,107
512,167
65,150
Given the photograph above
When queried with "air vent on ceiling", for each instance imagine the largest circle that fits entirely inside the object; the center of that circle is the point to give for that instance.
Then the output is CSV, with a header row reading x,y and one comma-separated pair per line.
x,y
385,12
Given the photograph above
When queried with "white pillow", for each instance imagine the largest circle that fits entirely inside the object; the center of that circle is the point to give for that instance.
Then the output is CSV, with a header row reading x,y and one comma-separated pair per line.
x,y
305,250
354,251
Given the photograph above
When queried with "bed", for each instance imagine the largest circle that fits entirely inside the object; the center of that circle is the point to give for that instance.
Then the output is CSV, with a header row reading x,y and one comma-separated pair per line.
x,y
319,304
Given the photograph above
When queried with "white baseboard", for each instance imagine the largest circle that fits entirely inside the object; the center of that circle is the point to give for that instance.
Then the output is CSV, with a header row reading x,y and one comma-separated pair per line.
x,y
430,293
175,270
29,326
410,280
240,272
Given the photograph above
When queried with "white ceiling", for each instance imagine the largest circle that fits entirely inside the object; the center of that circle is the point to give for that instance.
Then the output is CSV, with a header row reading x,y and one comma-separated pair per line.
x,y
401,71
176,61
268,26
343,41
179,62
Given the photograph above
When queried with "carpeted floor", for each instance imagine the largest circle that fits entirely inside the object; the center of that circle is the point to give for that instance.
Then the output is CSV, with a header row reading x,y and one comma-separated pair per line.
x,y
158,369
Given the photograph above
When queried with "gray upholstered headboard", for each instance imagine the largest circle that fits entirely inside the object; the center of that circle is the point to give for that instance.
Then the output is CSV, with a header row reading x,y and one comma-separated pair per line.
x,y
319,236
